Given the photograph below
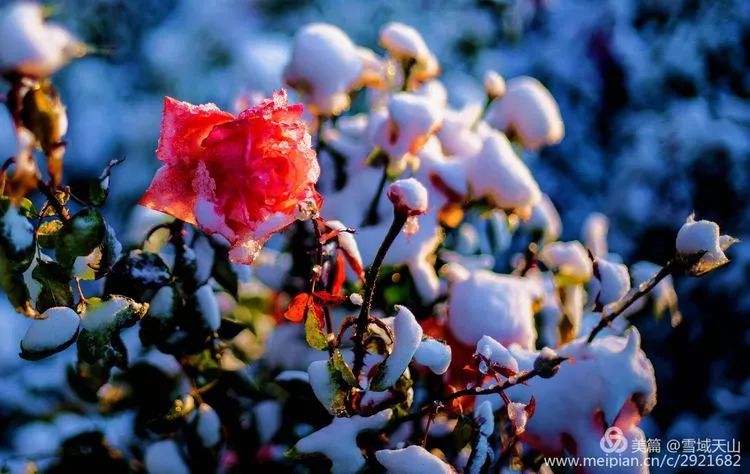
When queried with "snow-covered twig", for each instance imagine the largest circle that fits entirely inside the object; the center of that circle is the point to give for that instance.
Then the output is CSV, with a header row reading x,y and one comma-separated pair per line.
x,y
399,219
612,311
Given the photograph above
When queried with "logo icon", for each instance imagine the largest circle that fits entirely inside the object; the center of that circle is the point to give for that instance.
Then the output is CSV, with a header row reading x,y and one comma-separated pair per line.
x,y
613,441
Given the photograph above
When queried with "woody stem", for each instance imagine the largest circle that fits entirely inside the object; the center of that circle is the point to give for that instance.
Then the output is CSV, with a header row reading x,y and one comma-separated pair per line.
x,y
399,219
611,312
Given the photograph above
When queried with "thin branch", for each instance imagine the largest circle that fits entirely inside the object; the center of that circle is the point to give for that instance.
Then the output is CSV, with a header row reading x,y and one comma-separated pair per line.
x,y
53,201
399,219
371,217
613,310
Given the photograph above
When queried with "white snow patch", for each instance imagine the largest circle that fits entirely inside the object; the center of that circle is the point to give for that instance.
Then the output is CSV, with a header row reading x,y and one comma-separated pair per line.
x,y
411,460
434,355
58,328
338,441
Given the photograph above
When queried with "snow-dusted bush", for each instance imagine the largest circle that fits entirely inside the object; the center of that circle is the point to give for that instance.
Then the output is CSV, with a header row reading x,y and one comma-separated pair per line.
x,y
248,324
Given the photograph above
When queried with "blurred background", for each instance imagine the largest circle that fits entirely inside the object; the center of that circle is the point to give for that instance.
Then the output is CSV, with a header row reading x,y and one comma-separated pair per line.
x,y
655,95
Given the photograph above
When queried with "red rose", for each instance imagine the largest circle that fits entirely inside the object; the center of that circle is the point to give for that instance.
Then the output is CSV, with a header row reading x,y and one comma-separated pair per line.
x,y
243,177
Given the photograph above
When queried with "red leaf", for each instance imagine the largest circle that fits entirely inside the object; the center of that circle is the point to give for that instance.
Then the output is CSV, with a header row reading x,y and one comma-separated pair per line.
x,y
339,277
530,407
298,307
327,298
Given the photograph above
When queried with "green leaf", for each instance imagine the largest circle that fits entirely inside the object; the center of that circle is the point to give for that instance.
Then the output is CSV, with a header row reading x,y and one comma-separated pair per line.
x,y
79,236
15,287
463,432
17,239
99,342
55,281
27,209
138,274
99,188
47,233
223,272
314,334
339,365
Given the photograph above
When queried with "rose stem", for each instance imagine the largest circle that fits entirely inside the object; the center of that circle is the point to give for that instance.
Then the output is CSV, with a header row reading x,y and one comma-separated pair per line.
x,y
633,295
399,219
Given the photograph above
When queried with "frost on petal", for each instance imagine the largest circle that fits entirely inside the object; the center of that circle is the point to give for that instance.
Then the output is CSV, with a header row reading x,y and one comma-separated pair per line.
x,y
338,441
183,128
495,357
528,110
434,355
411,460
498,174
407,335
498,306
165,457
696,237
242,178
56,331
171,192
568,260
408,196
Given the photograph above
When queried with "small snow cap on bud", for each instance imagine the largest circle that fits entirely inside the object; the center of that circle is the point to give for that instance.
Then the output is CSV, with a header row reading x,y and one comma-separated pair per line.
x,y
547,363
408,196
528,109
569,261
494,84
494,357
325,66
31,47
404,43
701,240
519,414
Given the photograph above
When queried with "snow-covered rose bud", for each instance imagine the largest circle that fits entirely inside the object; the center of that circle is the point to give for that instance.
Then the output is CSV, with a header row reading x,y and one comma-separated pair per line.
x,y
31,47
568,260
497,174
519,414
324,67
703,237
494,84
610,283
404,43
528,110
408,196
547,363
404,127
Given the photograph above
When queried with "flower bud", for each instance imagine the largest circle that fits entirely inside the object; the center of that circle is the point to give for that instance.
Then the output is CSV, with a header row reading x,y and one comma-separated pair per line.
x,y
31,47
494,84
408,196
701,240
547,363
